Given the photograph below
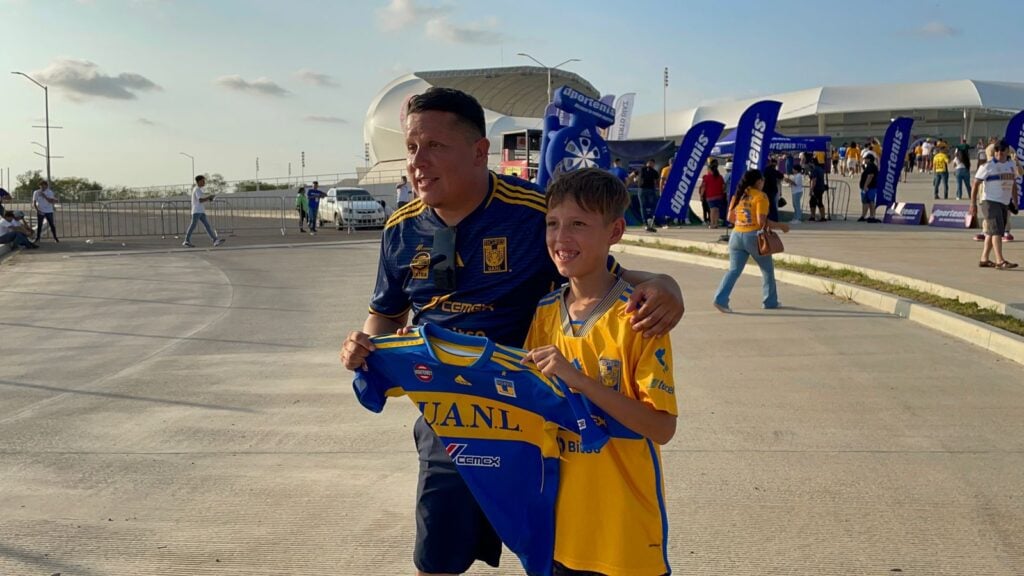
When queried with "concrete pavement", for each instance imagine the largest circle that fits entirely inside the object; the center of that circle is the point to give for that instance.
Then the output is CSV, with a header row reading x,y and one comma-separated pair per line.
x,y
184,413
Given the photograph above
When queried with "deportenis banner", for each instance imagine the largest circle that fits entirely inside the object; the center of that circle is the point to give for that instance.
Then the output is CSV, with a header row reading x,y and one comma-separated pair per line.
x,y
623,116
894,154
686,169
1015,138
753,134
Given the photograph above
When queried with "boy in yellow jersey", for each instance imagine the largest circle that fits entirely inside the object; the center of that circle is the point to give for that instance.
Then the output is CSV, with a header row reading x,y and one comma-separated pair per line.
x,y
610,516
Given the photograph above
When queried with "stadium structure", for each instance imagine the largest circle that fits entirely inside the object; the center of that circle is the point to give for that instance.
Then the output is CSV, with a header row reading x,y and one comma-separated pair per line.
x,y
515,99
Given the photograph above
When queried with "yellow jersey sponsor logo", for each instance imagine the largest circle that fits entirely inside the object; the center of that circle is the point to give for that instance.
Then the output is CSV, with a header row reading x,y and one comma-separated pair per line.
x,y
420,265
611,372
465,307
495,255
659,384
505,387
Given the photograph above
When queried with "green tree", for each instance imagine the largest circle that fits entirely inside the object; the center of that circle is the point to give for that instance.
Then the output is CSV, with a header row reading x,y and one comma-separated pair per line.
x,y
250,186
27,184
215,183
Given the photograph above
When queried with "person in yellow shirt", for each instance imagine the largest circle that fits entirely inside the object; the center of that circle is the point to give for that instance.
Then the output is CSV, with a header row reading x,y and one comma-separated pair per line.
x,y
662,180
852,159
940,163
748,211
610,516
919,155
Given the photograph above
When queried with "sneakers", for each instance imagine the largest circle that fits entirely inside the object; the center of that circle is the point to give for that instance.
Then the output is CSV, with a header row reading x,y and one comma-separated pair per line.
x,y
188,244
218,241
1007,237
862,219
722,309
979,237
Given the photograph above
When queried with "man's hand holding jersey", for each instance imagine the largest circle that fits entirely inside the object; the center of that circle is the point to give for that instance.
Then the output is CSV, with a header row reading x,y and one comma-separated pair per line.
x,y
633,414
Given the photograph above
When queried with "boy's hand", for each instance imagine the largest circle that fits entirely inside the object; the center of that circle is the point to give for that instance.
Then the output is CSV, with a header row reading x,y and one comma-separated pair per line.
x,y
551,363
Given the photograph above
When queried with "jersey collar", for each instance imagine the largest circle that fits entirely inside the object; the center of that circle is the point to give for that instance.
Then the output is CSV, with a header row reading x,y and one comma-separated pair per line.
x,y
431,331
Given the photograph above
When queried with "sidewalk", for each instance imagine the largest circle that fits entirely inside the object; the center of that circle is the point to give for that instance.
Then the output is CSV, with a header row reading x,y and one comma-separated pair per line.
x,y
939,256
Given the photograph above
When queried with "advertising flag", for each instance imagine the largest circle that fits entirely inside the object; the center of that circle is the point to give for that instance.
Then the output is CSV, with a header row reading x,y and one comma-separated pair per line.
x,y
753,135
1015,138
686,169
894,153
623,115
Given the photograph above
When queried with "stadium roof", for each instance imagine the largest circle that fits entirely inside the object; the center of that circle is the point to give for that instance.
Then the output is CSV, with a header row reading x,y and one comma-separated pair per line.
x,y
993,97
520,91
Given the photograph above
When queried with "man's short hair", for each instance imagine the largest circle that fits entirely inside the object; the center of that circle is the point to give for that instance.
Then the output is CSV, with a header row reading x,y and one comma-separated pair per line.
x,y
462,105
200,178
595,190
8,214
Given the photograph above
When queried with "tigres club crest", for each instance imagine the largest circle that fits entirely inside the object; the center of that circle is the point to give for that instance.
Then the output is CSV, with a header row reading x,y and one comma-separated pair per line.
x,y
611,372
495,255
420,266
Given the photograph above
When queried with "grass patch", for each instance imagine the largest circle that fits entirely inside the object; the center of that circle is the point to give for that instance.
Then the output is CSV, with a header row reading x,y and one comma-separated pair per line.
x,y
954,305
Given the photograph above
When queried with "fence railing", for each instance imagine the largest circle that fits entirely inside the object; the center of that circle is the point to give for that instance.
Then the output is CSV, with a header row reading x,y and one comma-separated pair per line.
x,y
162,217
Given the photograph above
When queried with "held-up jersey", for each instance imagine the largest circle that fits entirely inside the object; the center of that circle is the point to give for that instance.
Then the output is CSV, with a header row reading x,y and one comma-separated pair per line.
x,y
498,419
610,513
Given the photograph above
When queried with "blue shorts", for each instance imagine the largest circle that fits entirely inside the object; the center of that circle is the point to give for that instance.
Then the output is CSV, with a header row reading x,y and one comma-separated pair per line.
x,y
868,196
451,529
717,203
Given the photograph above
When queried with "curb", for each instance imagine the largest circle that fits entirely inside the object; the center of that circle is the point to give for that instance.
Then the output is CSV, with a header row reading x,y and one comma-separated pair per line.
x,y
995,340
923,286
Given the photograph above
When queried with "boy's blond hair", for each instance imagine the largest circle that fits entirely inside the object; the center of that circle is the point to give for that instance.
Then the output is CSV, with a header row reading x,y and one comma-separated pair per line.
x,y
595,190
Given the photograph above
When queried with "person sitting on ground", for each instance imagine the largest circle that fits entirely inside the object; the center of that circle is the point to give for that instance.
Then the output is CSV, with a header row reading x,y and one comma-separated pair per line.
x,y
869,191
626,377
748,210
14,232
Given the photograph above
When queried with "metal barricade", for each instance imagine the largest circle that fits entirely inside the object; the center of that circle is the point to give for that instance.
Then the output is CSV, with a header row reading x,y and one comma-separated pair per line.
x,y
72,219
838,199
234,214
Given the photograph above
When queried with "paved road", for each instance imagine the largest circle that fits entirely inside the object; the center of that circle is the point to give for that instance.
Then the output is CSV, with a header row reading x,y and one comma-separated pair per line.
x,y
184,414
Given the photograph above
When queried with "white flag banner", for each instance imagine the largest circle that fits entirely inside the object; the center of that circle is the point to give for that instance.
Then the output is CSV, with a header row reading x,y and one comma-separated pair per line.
x,y
623,114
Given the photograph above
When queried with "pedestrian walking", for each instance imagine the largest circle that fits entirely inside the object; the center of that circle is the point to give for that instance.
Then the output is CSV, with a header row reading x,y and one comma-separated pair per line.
x,y
940,164
996,180
302,207
199,198
313,196
748,211
403,192
44,201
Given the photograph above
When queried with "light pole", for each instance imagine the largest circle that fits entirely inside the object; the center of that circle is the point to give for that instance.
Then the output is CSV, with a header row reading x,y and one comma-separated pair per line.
x,y
193,159
46,100
549,69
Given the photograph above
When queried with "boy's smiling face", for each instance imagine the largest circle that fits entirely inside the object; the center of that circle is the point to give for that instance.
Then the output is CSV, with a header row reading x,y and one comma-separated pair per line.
x,y
578,240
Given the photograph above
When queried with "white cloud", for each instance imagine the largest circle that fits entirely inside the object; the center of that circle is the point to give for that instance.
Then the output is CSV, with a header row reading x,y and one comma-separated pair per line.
x,y
316,78
441,28
325,119
937,29
262,85
81,79
400,13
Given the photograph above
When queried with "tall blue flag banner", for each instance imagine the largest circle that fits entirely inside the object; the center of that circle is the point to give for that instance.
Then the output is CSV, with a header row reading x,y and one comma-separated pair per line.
x,y
1015,138
753,135
686,169
894,154
578,144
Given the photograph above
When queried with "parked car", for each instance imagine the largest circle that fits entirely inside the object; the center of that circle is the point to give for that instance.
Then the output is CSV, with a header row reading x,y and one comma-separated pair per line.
x,y
355,206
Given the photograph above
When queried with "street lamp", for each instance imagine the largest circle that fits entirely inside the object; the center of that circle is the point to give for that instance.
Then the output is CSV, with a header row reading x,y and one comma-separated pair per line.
x,y
524,54
46,100
193,159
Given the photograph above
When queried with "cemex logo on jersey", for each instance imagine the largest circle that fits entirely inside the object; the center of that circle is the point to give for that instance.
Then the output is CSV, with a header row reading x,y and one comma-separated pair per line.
x,y
457,452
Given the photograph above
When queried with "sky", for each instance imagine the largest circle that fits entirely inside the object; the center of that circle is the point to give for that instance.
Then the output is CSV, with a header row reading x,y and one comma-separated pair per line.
x,y
134,83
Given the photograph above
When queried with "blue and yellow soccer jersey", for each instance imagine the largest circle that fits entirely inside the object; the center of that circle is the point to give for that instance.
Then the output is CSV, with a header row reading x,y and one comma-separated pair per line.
x,y
610,514
498,420
502,265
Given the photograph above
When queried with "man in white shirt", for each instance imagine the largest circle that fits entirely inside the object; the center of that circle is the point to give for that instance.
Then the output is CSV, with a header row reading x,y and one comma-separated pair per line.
x,y
403,192
997,180
14,231
199,213
927,147
43,200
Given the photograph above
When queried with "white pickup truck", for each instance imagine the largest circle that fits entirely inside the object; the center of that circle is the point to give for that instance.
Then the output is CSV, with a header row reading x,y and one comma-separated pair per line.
x,y
355,206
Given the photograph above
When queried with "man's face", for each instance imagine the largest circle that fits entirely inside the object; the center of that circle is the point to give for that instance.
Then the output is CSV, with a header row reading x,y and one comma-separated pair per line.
x,y
201,182
1000,154
444,158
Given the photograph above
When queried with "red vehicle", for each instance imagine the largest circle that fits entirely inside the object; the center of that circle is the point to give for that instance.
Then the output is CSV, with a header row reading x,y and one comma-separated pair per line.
x,y
520,153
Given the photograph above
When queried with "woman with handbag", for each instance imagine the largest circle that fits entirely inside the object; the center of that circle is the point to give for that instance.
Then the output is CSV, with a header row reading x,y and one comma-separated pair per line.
x,y
753,235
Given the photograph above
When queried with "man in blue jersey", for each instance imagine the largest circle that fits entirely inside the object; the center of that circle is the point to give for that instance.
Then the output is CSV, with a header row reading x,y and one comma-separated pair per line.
x,y
469,255
313,195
